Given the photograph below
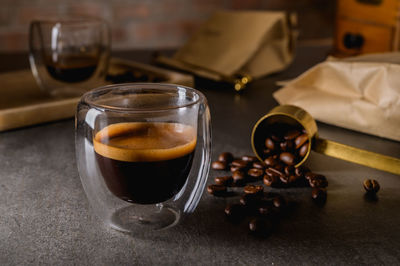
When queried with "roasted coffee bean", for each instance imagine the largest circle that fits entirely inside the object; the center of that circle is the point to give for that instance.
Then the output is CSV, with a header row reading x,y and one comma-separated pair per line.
x,y
224,180
279,167
371,186
248,158
289,170
274,172
258,165
318,181
266,210
239,178
252,189
319,195
300,140
216,190
301,170
250,199
310,175
276,137
235,212
269,144
303,149
217,165
287,157
255,172
225,157
292,134
261,227
286,145
279,202
268,152
271,181
295,180
236,168
284,179
240,163
271,161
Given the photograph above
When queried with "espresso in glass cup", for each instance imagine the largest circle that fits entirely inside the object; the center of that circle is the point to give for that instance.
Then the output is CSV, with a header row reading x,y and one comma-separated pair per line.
x,y
143,153
68,56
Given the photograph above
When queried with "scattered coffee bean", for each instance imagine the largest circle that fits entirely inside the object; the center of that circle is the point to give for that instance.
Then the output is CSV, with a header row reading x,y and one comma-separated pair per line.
x,y
279,202
300,140
239,178
224,180
310,175
225,157
255,172
248,158
272,171
217,165
289,170
271,161
319,195
249,199
295,180
235,168
287,157
252,189
286,145
318,181
271,181
284,179
235,212
217,190
258,165
239,163
261,227
301,170
371,186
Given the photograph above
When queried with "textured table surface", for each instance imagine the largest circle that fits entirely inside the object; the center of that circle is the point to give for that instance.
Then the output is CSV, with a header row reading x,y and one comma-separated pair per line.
x,y
45,217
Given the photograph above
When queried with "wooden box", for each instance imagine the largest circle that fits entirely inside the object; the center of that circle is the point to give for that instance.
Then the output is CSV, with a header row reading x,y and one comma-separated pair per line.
x,y
367,26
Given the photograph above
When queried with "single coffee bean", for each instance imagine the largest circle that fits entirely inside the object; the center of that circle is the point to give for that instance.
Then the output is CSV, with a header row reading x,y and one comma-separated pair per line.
x,y
224,180
260,227
271,181
286,145
248,158
236,168
255,172
287,157
269,144
250,199
284,179
300,140
240,163
217,165
252,189
289,170
258,165
216,190
239,178
272,171
271,161
371,186
310,175
318,181
292,134
235,212
303,149
279,202
301,170
318,194
225,157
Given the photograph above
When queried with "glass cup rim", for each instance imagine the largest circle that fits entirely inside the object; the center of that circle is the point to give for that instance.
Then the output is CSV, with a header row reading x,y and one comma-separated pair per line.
x,y
69,20
162,87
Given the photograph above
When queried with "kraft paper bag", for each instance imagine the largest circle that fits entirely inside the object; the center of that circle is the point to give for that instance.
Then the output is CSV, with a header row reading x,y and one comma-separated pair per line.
x,y
250,43
360,93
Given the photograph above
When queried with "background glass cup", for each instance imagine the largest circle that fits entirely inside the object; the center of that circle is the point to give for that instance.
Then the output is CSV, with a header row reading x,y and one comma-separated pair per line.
x,y
69,56
143,153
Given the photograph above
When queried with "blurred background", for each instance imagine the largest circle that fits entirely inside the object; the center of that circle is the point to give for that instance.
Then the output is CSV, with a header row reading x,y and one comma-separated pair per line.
x,y
152,24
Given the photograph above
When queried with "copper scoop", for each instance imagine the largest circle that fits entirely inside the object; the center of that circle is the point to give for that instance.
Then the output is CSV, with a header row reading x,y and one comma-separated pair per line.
x,y
296,116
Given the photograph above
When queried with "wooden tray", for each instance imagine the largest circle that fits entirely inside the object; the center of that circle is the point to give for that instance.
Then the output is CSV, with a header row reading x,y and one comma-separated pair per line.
x,y
23,103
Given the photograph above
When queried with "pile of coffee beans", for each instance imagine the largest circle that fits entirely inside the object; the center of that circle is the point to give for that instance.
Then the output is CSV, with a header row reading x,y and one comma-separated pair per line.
x,y
261,209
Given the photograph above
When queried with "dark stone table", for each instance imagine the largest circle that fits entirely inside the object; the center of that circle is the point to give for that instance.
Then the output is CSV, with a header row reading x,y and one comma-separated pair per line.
x,y
46,219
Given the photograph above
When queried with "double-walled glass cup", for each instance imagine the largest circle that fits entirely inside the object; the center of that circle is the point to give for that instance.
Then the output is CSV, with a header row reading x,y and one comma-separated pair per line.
x,y
68,56
143,153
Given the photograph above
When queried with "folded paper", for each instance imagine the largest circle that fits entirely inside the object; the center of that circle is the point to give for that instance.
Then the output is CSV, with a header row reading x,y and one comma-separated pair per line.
x,y
360,93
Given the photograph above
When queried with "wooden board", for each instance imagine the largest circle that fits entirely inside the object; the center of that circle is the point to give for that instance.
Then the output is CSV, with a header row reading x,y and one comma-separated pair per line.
x,y
23,103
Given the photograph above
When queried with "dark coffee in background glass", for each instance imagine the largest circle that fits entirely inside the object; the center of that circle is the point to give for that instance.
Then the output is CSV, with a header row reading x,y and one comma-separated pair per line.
x,y
144,162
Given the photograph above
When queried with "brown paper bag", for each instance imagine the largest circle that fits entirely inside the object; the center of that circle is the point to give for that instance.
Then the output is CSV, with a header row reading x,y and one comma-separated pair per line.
x,y
242,43
360,93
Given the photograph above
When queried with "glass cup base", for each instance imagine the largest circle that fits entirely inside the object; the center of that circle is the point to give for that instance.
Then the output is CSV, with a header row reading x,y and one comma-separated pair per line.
x,y
136,218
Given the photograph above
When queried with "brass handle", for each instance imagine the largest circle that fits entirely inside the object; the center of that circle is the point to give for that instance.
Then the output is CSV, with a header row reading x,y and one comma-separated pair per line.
x,y
356,155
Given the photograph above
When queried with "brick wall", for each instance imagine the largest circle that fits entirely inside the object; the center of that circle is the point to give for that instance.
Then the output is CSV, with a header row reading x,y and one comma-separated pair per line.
x,y
152,23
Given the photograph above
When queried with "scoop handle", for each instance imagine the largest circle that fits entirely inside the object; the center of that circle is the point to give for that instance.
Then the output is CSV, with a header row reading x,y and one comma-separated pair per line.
x,y
356,155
